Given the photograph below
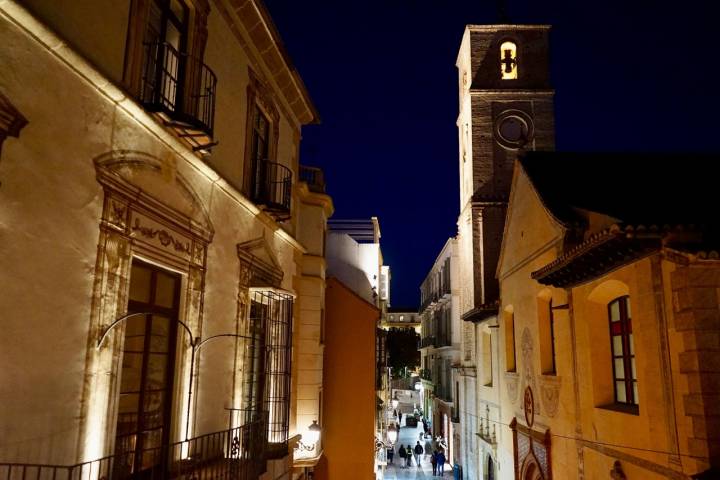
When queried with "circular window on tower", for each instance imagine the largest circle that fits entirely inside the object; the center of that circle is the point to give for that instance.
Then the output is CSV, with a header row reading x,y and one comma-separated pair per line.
x,y
513,129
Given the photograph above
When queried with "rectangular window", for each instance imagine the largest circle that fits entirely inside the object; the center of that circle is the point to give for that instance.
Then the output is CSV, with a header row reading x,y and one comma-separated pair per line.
x,y
552,337
148,367
622,351
509,318
267,366
487,359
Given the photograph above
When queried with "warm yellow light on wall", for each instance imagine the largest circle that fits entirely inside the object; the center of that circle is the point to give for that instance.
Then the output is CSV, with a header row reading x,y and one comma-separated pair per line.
x,y
508,61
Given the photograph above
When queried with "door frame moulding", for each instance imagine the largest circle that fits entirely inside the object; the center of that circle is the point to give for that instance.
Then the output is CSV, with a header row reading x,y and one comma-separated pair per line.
x,y
173,233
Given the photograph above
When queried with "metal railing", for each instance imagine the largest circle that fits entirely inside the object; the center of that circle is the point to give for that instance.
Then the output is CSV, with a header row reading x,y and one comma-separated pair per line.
x,y
179,85
237,453
272,185
314,177
427,342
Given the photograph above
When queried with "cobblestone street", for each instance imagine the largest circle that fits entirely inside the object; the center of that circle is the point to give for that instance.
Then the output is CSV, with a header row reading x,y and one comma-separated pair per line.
x,y
396,470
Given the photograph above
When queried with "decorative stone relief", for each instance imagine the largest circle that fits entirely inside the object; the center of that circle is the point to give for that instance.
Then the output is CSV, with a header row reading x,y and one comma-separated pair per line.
x,y
527,378
11,120
550,394
511,382
164,237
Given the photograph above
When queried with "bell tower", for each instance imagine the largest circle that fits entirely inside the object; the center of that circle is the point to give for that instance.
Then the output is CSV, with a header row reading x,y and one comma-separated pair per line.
x,y
506,106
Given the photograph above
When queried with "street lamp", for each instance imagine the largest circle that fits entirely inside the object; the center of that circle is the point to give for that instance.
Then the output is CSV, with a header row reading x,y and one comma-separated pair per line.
x,y
392,433
313,435
311,438
395,401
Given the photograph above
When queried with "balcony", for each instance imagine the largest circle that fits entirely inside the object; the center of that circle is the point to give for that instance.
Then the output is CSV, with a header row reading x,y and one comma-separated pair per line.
x,y
314,178
443,340
271,188
235,453
182,90
427,342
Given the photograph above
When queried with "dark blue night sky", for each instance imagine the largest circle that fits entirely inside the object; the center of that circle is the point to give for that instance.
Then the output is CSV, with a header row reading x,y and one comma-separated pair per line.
x,y
629,76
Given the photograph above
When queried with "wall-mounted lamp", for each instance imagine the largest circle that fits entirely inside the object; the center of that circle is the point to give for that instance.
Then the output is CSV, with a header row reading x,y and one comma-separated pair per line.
x,y
310,439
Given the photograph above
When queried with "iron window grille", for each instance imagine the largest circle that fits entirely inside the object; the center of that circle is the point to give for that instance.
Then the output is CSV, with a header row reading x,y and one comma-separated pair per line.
x,y
266,376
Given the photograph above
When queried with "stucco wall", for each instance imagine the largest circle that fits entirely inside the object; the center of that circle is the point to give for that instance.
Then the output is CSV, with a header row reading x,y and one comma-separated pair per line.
x,y
348,386
51,205
530,242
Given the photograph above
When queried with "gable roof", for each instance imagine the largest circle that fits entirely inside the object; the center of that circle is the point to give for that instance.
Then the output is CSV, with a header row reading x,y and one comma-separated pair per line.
x,y
634,188
648,201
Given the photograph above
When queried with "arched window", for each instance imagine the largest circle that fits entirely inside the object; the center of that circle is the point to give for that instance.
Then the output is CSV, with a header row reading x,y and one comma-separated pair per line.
x,y
623,351
508,61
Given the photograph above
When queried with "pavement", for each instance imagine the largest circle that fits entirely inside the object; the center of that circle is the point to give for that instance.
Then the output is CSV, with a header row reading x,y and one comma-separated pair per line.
x,y
410,436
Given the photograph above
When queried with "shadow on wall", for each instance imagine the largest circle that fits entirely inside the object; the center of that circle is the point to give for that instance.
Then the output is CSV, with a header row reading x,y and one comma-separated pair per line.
x,y
353,278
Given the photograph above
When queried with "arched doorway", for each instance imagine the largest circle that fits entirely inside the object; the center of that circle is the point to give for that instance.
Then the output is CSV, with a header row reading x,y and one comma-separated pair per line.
x,y
531,470
490,468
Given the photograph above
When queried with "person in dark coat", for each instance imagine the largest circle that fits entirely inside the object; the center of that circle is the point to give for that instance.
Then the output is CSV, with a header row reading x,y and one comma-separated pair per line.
x,y
433,461
402,454
441,463
390,454
418,451
409,455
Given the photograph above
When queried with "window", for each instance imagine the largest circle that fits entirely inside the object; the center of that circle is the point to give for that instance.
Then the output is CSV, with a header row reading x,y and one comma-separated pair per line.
x,y
546,331
508,61
164,68
148,367
510,360
487,379
402,318
487,375
267,182
165,43
267,366
623,351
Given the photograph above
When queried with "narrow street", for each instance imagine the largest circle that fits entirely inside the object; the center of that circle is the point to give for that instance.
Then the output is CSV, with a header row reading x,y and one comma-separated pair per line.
x,y
396,470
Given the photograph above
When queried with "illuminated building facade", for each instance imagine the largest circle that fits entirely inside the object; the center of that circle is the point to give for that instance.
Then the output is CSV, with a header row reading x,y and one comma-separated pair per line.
x,y
440,348
162,261
589,293
358,292
505,104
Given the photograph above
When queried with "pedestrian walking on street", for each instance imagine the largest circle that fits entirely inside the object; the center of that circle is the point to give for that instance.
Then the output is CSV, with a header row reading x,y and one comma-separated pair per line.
x,y
400,418
409,455
441,463
402,454
390,454
433,461
418,451
428,448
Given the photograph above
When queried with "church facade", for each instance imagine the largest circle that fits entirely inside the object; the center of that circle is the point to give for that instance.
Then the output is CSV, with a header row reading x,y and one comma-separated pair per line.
x,y
162,262
589,293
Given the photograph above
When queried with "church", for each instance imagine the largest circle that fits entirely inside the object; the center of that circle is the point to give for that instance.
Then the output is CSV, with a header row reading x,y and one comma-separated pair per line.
x,y
590,288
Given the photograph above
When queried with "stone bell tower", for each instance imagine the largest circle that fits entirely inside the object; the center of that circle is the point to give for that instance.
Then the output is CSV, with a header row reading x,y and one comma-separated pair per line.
x,y
506,106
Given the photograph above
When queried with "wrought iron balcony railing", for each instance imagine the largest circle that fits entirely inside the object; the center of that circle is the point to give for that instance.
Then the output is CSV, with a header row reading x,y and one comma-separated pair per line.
x,y
314,178
181,87
237,453
271,187
443,340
